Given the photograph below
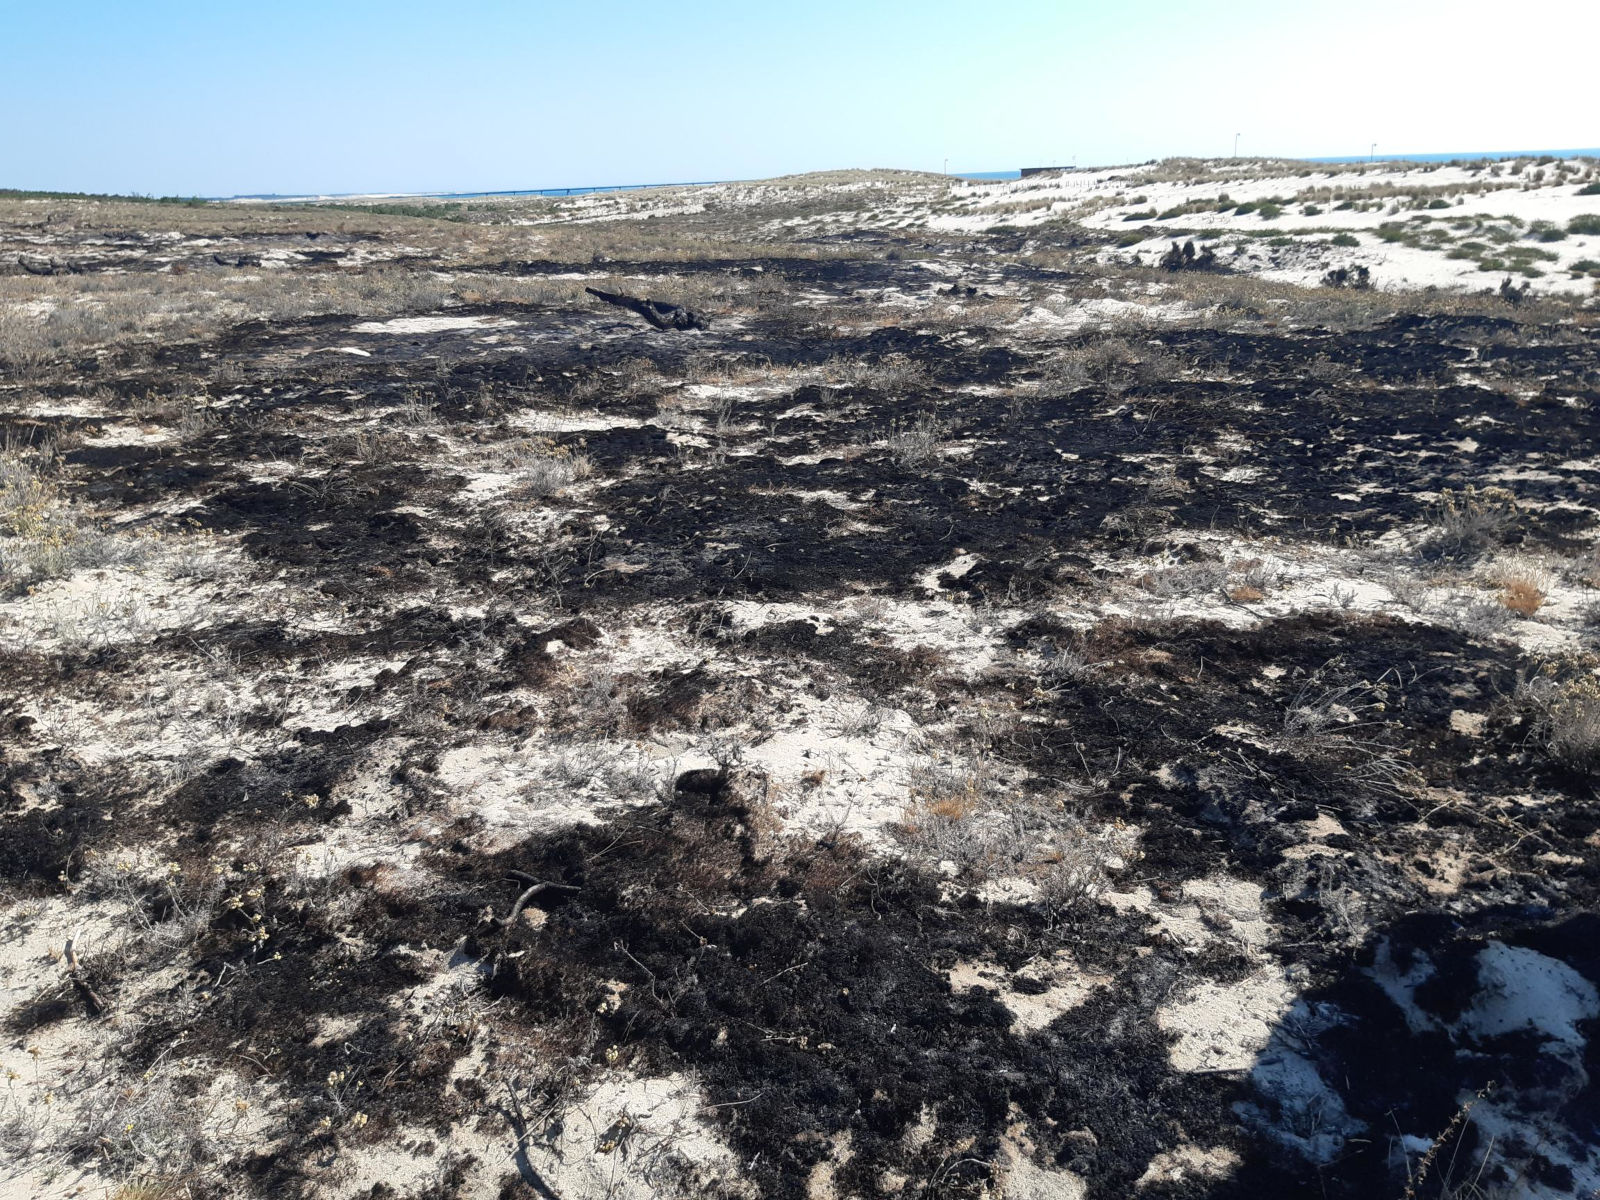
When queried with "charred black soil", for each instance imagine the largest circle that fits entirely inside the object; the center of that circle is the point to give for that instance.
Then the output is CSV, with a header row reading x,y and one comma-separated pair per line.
x,y
974,752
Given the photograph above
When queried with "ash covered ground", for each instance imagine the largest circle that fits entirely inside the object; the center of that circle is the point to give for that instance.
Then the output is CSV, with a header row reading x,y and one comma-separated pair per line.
x,y
991,716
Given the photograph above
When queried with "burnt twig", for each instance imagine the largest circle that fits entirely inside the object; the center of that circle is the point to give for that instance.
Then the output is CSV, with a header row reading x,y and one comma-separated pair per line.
x,y
535,886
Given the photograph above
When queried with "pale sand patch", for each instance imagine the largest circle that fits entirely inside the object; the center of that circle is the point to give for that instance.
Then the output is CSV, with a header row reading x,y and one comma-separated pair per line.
x,y
122,434
431,324
574,422
1223,1027
104,607
1212,909
1022,1178
1187,1161
1068,987
638,1139
1519,991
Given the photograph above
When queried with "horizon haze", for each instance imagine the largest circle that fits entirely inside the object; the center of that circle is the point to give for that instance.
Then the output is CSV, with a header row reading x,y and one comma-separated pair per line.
x,y
184,99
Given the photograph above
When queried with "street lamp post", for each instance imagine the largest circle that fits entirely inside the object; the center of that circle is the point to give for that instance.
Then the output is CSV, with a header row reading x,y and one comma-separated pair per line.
x,y
1236,145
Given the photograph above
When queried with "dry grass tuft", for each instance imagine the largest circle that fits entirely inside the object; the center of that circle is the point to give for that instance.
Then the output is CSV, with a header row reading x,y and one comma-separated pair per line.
x,y
1568,714
1521,595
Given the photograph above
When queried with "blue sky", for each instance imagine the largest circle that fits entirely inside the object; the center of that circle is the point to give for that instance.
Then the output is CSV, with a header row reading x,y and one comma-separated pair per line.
x,y
290,96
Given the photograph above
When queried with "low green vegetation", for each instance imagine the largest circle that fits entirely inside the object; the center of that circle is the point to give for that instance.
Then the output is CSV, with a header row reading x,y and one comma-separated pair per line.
x,y
432,212
21,194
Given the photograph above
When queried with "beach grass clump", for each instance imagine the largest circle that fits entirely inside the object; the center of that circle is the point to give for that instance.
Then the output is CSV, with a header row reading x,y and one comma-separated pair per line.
x,y
42,536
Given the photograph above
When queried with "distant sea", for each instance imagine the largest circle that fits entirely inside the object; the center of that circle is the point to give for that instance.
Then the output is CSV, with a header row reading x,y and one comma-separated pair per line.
x,y
1463,156
556,191
1472,156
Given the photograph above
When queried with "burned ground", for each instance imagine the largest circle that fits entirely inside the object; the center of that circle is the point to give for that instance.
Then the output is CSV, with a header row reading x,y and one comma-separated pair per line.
x,y
973,744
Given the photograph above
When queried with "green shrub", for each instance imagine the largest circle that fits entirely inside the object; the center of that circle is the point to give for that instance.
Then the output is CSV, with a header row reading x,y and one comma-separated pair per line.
x,y
1544,231
1310,210
1589,189
1148,214
1346,239
1270,211
1584,223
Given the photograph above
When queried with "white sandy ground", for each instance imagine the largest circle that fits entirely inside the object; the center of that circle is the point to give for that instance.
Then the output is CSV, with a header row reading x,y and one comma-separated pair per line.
x,y
62,1075
431,324
1519,990
1066,987
624,1138
839,764
1105,197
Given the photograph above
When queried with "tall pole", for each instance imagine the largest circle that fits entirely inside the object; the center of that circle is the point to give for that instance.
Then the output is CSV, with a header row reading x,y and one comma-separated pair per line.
x,y
1236,145
946,170
1371,153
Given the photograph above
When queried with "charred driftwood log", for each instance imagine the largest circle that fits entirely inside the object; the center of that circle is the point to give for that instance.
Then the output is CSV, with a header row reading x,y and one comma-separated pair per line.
x,y
1184,258
1352,277
43,266
657,312
1511,293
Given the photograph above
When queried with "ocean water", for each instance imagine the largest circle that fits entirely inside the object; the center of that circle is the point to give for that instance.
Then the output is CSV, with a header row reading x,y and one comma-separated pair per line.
x,y
1460,156
1474,156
